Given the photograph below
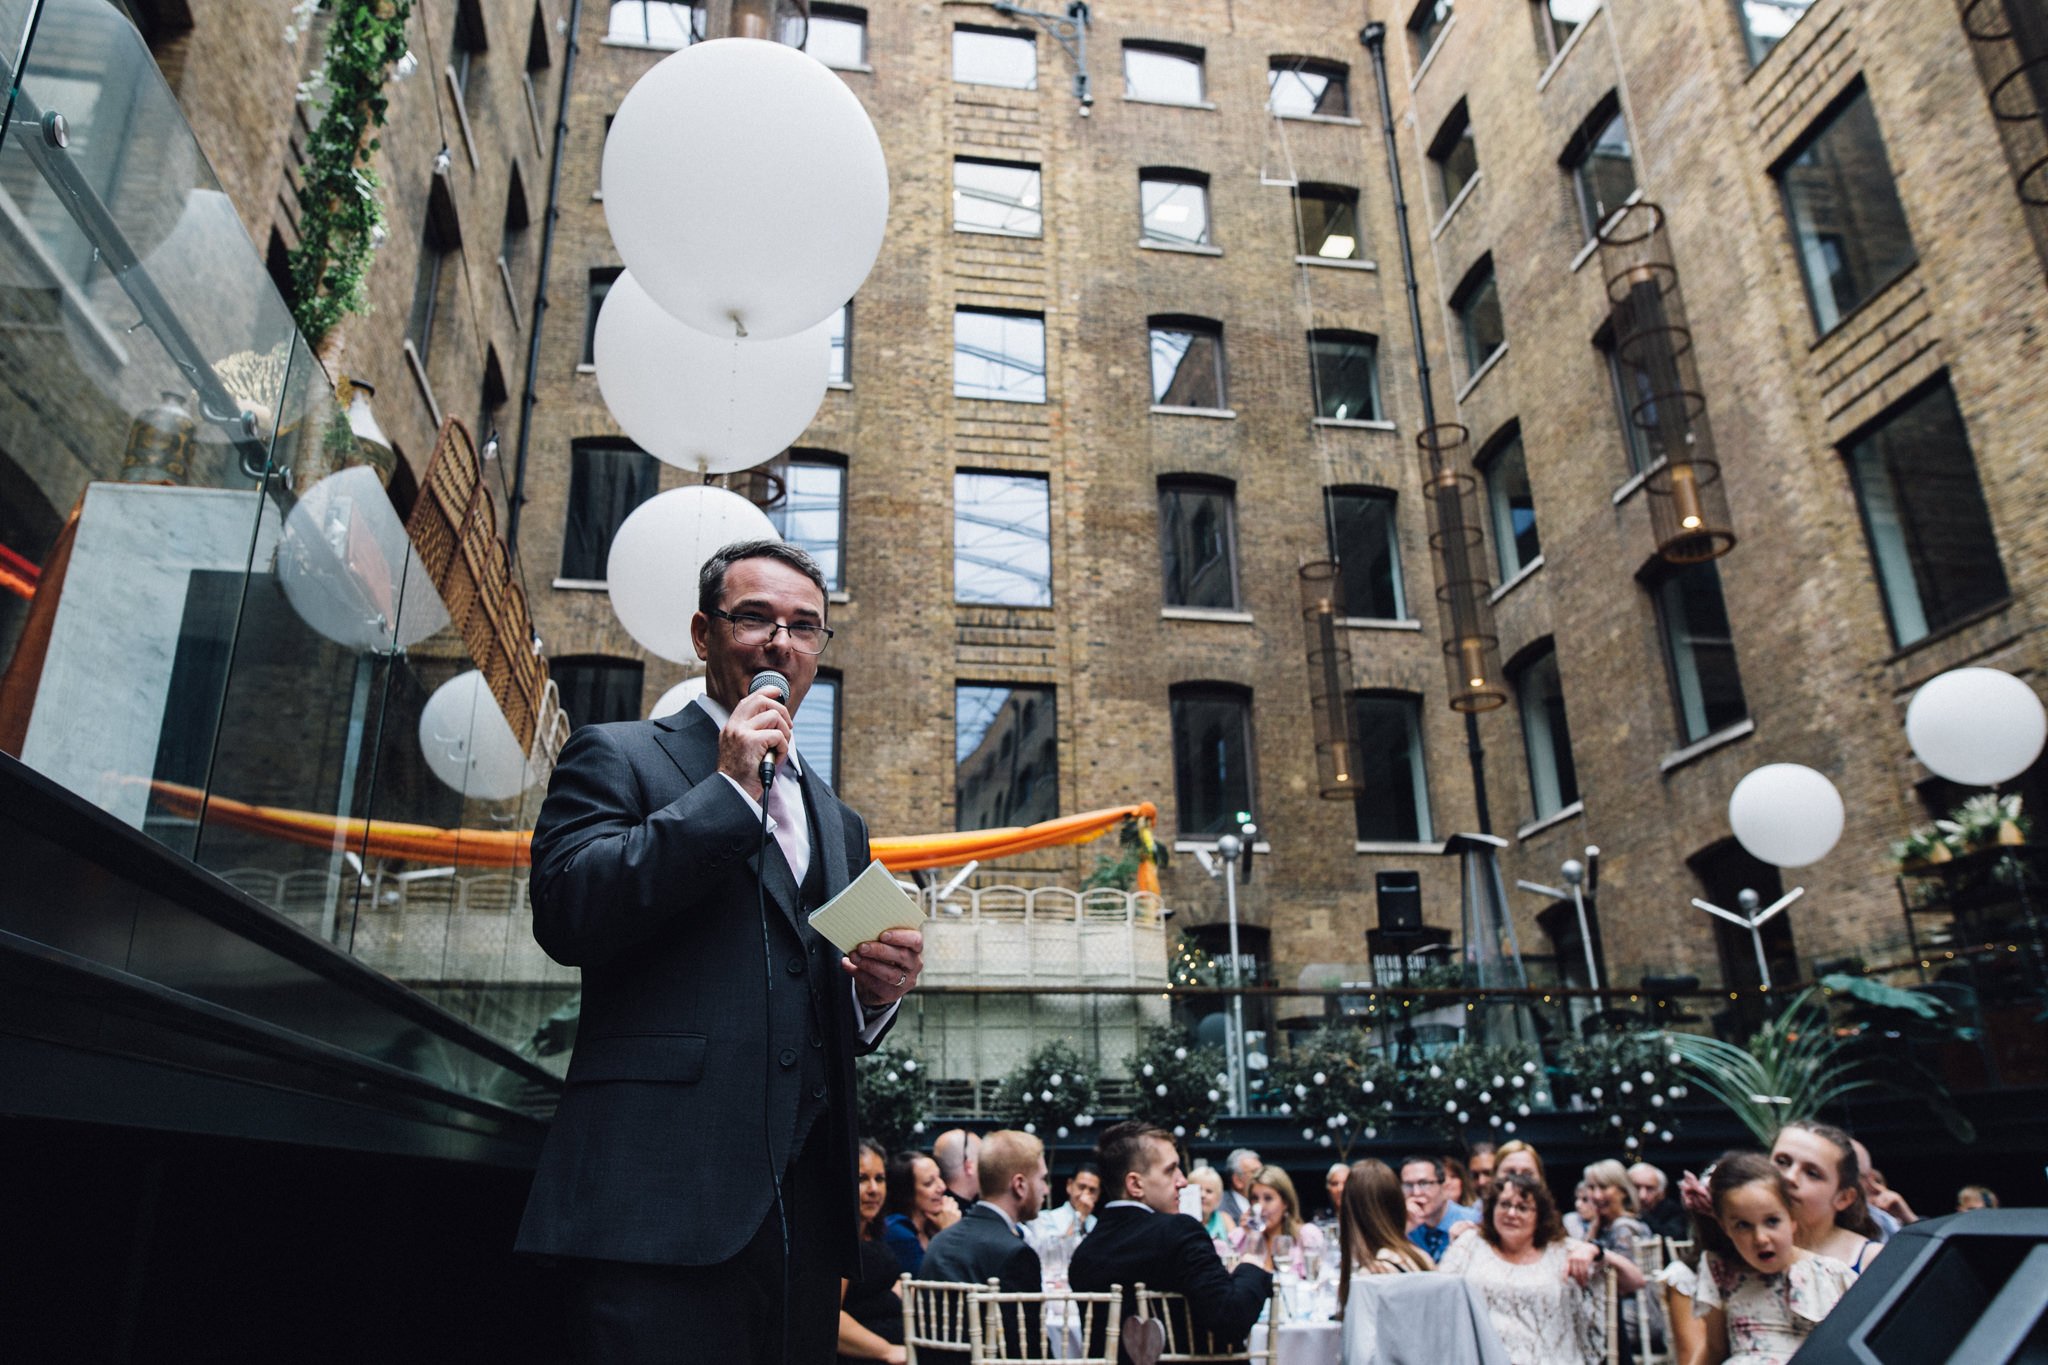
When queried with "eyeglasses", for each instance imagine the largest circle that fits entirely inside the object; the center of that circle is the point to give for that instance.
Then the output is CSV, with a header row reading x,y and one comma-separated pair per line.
x,y
806,637
1419,1186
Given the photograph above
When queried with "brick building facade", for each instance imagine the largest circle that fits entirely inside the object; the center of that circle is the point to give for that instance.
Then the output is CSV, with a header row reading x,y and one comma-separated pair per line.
x,y
1180,212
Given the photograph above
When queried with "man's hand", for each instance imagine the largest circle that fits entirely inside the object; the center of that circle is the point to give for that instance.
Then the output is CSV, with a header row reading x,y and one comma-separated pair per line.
x,y
1579,1263
885,970
758,725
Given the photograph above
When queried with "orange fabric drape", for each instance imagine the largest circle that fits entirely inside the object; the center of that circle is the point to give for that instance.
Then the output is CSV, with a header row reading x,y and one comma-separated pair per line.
x,y
512,848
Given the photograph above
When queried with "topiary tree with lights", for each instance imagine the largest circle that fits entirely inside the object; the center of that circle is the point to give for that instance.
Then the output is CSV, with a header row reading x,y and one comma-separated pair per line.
x,y
892,1095
1179,1082
1052,1095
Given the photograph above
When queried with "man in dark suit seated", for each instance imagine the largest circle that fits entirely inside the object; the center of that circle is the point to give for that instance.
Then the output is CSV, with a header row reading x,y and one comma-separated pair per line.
x,y
1141,1237
988,1243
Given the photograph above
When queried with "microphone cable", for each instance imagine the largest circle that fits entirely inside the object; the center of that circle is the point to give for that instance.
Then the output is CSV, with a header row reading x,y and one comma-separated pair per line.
x,y
768,1044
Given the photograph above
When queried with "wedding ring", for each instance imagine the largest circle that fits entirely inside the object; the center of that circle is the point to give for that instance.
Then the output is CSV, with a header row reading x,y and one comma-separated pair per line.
x,y
901,979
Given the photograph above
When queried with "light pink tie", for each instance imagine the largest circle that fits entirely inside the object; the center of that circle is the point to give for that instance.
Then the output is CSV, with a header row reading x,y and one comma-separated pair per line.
x,y
784,810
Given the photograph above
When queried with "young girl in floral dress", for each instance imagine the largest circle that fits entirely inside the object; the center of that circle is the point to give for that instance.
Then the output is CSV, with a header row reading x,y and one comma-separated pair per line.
x,y
1758,1292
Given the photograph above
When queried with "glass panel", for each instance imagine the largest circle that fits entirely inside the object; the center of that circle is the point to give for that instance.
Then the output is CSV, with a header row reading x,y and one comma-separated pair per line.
x,y
1923,509
1700,648
1605,177
1303,89
983,58
655,23
1457,157
1347,380
842,342
1002,540
990,196
1368,555
598,691
1006,756
1846,218
839,40
600,285
815,727
1198,542
1187,368
998,355
812,513
1479,318
1212,776
1428,23
1174,211
1516,543
1553,780
1393,799
1326,224
1634,390
606,482
1765,22
1163,77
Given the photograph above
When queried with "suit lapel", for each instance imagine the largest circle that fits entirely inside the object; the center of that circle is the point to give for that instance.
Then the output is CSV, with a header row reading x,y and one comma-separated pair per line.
x,y
830,843
691,740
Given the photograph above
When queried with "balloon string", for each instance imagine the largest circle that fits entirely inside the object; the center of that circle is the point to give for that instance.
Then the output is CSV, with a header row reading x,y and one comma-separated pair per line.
x,y
732,386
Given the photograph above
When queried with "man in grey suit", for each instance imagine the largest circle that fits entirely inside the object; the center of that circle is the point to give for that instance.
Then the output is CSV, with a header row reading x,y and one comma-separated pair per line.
x,y
988,1241
699,1182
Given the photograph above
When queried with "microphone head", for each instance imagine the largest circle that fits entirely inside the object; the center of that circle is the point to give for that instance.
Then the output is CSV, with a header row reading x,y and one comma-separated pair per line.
x,y
768,680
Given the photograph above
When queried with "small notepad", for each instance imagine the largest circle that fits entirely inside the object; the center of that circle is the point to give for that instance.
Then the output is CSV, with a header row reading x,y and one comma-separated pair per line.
x,y
870,904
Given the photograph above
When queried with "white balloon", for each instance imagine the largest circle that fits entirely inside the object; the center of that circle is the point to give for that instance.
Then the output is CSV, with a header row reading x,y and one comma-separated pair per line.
x,y
350,571
679,696
1786,814
1976,726
709,404
468,743
655,556
745,188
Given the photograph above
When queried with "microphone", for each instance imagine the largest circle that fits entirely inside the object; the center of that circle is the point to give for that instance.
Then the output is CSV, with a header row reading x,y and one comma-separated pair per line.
x,y
768,680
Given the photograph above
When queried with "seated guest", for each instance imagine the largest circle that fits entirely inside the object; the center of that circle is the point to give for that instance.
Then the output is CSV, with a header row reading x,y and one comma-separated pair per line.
x,y
1277,1209
1074,1219
1430,1211
1372,1221
914,1209
1479,1159
1140,1238
988,1241
1970,1198
1458,1183
1333,1186
1519,1262
1655,1204
1888,1208
870,1309
957,1151
1520,1156
1215,1221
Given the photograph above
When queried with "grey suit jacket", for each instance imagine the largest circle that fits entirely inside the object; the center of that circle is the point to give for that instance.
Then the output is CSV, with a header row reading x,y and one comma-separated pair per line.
x,y
693,1051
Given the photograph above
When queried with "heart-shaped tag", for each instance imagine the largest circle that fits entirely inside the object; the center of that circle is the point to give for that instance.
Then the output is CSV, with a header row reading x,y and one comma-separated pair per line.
x,y
1143,1340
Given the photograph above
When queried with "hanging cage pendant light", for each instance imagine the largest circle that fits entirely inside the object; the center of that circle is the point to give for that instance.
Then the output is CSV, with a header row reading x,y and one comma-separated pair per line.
x,y
1450,493
1329,678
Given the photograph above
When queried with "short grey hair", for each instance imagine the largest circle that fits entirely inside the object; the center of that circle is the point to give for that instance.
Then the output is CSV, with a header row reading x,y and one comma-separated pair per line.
x,y
711,578
1645,1171
1237,1159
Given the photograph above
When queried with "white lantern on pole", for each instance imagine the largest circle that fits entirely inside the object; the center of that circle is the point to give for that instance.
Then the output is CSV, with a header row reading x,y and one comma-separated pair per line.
x,y
677,697
1976,726
1786,814
655,556
745,188
467,742
710,404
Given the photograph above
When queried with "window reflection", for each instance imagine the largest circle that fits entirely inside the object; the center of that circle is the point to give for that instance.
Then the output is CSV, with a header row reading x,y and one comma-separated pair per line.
x,y
1515,542
1427,24
1477,305
597,690
838,36
1006,756
997,196
1455,154
655,23
812,513
1212,750
994,57
1163,75
1346,373
1546,738
999,355
1699,647
1766,22
1174,207
841,371
1002,540
1326,222
1845,212
1603,173
1393,789
1198,544
1364,543
1299,88
815,727
608,478
1187,364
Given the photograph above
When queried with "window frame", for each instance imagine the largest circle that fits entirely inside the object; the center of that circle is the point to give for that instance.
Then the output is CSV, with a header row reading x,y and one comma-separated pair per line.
x,y
811,457
1478,280
1035,811
1182,52
851,15
1319,397
1881,276
1454,130
1500,509
647,469
1552,767
1433,16
692,14
594,297
1579,155
831,682
1043,545
840,367
1210,692
1336,73
566,665
1424,814
1396,580
1007,361
990,31
1184,178
1681,666
1325,192
1193,327
1037,172
1179,485
1759,47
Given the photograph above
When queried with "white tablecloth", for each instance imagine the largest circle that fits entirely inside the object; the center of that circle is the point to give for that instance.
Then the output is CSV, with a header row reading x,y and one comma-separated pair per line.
x,y
1303,1343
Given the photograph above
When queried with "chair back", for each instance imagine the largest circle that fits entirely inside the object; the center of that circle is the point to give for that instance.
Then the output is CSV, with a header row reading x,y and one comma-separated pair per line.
x,y
941,1316
1187,1343
1653,1346
1058,1324
1610,1315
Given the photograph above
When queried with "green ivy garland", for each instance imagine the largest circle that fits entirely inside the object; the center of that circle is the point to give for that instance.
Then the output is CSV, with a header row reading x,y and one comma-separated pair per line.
x,y
340,214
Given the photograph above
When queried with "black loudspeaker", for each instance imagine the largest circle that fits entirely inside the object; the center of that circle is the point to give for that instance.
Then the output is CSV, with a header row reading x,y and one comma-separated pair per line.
x,y
1969,1289
1400,895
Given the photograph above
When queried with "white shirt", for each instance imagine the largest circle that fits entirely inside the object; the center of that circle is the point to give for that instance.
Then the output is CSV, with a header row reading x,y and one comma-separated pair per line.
x,y
872,1021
